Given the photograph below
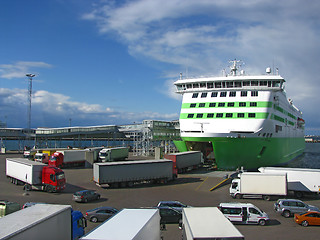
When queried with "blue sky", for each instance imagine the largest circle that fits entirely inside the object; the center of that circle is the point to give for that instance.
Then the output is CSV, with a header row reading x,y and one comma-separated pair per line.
x,y
114,62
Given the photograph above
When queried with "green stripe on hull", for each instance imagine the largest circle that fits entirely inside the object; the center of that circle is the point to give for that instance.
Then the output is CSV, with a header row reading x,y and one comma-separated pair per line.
x,y
250,153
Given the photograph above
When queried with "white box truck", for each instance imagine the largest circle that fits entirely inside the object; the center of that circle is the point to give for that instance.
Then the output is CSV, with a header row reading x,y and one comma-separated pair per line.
x,y
126,173
259,185
207,223
186,160
113,154
300,180
129,224
41,221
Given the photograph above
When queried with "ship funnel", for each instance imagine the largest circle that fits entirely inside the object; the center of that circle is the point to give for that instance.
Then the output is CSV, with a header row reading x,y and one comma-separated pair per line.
x,y
268,70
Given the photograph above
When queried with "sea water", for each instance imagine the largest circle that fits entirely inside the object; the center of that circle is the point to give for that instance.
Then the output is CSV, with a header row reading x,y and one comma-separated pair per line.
x,y
309,159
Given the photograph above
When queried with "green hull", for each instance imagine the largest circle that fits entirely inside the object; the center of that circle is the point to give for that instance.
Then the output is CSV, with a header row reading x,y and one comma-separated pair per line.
x,y
250,153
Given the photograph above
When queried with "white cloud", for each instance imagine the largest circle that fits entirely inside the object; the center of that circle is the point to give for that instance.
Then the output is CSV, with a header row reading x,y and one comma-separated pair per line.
x,y
20,69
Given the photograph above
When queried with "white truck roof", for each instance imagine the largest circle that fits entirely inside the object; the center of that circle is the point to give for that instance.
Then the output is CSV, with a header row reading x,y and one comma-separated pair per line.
x,y
128,224
208,223
27,218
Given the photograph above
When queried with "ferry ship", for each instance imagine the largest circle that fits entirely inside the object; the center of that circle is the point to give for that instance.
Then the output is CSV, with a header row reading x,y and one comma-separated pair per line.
x,y
245,121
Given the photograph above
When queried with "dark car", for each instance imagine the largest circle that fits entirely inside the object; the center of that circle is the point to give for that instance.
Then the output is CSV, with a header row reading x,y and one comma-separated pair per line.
x,y
169,215
172,205
100,214
85,196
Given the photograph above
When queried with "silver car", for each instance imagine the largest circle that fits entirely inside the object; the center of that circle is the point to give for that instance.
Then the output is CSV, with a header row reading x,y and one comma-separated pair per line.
x,y
288,207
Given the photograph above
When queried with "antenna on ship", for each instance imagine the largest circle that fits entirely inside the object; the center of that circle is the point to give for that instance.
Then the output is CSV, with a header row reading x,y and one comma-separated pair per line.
x,y
235,66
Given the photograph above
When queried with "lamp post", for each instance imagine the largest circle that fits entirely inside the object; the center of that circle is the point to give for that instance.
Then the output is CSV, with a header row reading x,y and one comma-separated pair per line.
x,y
30,76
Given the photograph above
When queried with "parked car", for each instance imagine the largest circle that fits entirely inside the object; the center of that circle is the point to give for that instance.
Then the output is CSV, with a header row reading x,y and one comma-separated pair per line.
x,y
100,214
169,215
85,196
288,207
29,204
172,205
7,207
307,218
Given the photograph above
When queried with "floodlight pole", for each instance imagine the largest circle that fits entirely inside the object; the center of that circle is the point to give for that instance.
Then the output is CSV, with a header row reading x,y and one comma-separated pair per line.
x,y
30,76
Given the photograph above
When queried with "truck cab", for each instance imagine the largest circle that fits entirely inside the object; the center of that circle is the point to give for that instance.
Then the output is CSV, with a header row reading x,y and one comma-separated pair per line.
x,y
56,160
53,179
79,223
41,157
245,213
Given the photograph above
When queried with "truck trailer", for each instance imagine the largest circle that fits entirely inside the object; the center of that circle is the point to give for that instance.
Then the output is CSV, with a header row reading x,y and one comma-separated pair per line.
x,y
126,173
68,158
207,223
41,221
300,180
35,175
113,154
133,224
259,185
186,160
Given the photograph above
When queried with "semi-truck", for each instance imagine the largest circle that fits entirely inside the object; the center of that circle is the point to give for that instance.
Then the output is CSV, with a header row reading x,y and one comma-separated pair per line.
x,y
259,185
42,157
207,223
134,224
300,180
126,173
43,221
68,158
186,160
35,175
113,154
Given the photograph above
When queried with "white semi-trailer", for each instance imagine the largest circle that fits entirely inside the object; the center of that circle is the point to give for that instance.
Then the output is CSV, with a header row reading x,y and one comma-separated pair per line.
x,y
300,180
126,173
133,224
259,185
113,154
186,160
41,221
207,223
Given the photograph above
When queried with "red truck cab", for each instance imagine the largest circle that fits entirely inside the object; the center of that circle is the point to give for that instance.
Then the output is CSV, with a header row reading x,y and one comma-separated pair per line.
x,y
56,160
53,179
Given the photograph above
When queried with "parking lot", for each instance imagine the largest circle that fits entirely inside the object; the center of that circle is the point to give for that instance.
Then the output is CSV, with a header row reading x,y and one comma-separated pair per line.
x,y
191,189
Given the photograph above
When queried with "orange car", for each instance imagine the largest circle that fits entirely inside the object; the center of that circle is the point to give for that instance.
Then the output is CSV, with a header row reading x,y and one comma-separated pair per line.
x,y
307,218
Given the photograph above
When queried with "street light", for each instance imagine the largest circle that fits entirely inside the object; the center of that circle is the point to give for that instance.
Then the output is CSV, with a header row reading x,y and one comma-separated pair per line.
x,y
30,76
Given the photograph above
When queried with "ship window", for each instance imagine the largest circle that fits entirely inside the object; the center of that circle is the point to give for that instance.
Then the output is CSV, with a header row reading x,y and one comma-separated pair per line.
x,y
210,115
212,104
217,84
263,83
190,115
244,93
251,115
242,104
202,104
231,104
237,84
221,104
204,95
193,105
232,94
219,115
278,128
269,83
229,115
254,83
202,85
240,115
275,83
253,104
223,94
254,93
199,115
195,95
229,84
246,83
195,85
214,94
189,85
210,85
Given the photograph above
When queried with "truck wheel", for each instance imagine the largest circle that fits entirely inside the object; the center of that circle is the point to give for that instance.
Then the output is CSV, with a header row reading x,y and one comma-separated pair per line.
x,y
238,196
262,222
130,184
267,197
286,214
305,223
298,194
49,189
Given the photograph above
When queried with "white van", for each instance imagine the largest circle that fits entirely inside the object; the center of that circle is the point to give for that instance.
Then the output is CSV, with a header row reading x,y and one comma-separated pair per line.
x,y
245,213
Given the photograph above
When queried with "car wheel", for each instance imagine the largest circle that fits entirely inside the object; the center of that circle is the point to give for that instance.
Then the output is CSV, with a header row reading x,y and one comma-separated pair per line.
x,y
94,219
98,197
305,223
85,200
286,214
262,222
